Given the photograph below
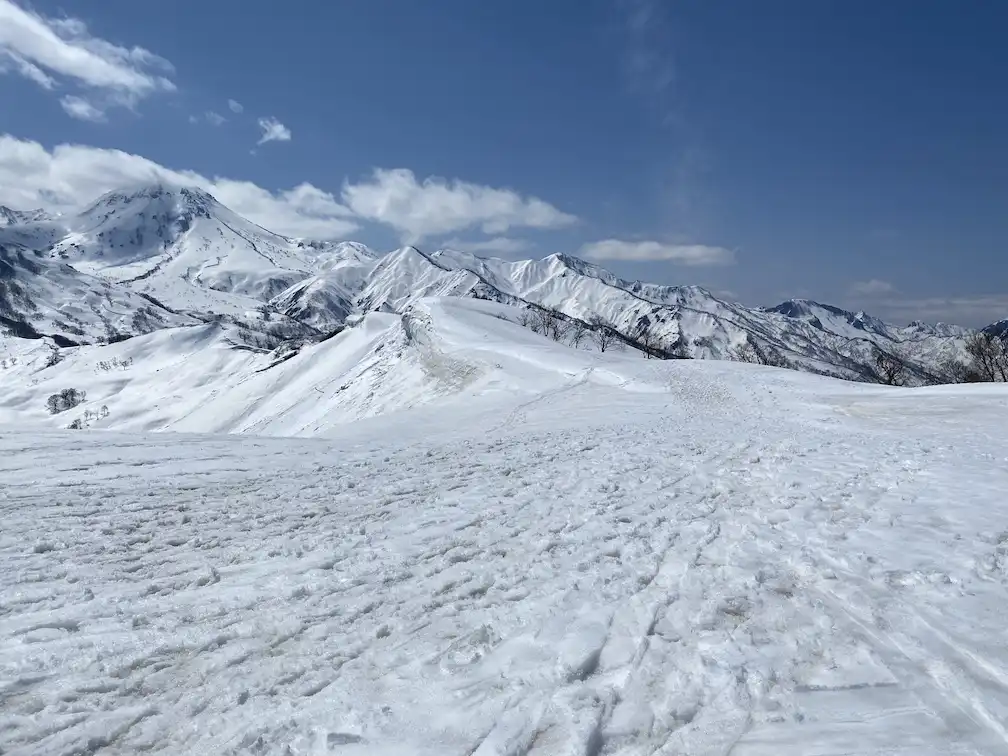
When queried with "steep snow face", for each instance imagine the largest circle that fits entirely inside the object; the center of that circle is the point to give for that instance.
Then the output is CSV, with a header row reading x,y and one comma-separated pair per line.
x,y
406,275
326,299
40,297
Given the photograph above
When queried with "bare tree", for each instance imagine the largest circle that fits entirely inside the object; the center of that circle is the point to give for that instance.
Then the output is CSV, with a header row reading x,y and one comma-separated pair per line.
x,y
577,332
651,341
752,351
549,323
957,371
889,368
679,350
989,357
530,319
554,324
603,334
744,352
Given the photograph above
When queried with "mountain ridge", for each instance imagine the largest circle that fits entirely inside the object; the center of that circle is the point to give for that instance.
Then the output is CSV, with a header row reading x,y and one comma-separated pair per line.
x,y
179,247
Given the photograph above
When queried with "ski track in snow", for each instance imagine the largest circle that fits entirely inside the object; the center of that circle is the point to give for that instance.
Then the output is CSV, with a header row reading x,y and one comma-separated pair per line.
x,y
686,574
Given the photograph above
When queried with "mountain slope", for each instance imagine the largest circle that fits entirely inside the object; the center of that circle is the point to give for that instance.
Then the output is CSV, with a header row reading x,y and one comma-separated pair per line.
x,y
40,297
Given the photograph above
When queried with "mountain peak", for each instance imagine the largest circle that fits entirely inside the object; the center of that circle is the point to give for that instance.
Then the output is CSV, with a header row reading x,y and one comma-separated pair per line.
x,y
187,199
12,217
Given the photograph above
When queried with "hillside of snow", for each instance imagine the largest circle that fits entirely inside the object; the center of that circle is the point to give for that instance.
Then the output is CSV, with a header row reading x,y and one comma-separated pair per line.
x,y
446,351
487,543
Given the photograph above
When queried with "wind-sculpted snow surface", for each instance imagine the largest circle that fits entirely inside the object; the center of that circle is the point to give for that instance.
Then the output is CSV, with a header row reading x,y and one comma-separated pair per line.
x,y
694,559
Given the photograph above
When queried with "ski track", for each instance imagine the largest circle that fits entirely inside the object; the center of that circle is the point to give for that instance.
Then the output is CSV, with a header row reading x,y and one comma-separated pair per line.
x,y
686,578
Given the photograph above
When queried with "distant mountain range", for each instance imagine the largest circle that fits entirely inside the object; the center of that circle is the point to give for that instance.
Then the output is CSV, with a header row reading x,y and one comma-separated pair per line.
x,y
163,256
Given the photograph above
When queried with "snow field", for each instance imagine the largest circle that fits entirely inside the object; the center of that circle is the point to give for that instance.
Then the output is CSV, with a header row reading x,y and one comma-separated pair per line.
x,y
686,559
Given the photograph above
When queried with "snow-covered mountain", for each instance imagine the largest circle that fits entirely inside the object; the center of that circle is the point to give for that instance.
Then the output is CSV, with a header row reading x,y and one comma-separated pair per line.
x,y
10,217
40,297
180,251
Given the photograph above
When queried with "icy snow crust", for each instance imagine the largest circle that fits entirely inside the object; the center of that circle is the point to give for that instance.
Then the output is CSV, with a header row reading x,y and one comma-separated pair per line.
x,y
516,548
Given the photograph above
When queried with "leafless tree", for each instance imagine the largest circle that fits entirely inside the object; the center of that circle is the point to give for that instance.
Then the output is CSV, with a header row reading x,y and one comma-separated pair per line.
x,y
744,352
679,350
554,324
989,357
889,368
549,323
752,351
957,371
577,332
603,334
651,340
530,319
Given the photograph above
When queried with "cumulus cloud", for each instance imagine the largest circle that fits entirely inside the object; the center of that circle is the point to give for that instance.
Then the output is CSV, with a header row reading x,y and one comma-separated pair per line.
x,y
273,131
500,244
871,288
235,106
437,206
52,51
82,109
70,176
642,251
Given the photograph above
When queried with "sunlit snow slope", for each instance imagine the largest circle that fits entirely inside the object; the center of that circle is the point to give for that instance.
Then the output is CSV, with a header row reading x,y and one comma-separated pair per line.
x,y
521,549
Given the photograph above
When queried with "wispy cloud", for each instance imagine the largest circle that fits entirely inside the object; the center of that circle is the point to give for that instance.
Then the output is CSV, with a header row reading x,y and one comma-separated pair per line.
x,y
647,63
437,206
646,41
872,288
55,51
973,311
273,131
82,109
650,251
235,106
214,118
69,175
503,245
27,69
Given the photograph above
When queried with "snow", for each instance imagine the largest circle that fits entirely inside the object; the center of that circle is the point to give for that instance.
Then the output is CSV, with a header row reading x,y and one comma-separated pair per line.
x,y
487,543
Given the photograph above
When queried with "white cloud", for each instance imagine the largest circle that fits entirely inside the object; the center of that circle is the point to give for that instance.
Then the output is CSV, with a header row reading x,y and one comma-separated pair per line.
x,y
235,106
641,251
874,287
72,175
213,118
46,50
27,69
500,244
82,109
273,131
437,206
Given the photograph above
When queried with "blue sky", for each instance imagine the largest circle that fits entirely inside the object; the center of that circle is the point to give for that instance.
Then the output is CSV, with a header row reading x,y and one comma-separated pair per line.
x,y
848,151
